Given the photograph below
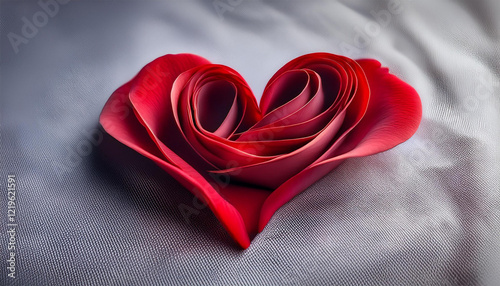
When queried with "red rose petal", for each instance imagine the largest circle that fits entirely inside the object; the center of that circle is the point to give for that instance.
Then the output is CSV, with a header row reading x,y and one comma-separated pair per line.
x,y
215,107
319,109
283,167
215,150
118,119
150,94
392,117
290,91
292,163
313,107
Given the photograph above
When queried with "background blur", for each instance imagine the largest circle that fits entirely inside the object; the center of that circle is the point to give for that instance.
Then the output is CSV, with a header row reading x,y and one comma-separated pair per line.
x,y
89,211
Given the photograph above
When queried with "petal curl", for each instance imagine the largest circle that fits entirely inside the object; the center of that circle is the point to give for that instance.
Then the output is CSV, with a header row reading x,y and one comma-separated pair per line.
x,y
118,118
142,114
392,117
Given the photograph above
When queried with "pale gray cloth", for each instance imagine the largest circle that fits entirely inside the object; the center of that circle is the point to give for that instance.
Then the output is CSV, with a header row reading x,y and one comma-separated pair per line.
x,y
93,212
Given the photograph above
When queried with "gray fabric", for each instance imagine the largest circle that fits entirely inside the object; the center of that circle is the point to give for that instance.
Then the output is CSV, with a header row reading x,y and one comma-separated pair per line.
x,y
424,213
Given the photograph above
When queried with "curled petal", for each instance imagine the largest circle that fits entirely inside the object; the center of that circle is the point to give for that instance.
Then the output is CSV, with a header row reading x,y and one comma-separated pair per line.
x,y
392,117
200,122
346,94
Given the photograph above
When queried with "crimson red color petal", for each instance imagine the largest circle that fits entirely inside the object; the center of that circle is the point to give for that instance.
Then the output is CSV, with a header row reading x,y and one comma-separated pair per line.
x,y
119,119
393,116
316,111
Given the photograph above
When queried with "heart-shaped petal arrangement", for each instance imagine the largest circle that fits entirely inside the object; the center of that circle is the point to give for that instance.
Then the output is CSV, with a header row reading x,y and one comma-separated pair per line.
x,y
201,123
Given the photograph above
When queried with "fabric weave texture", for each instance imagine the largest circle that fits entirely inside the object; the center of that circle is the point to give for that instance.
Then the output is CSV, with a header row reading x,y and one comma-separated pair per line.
x,y
92,212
